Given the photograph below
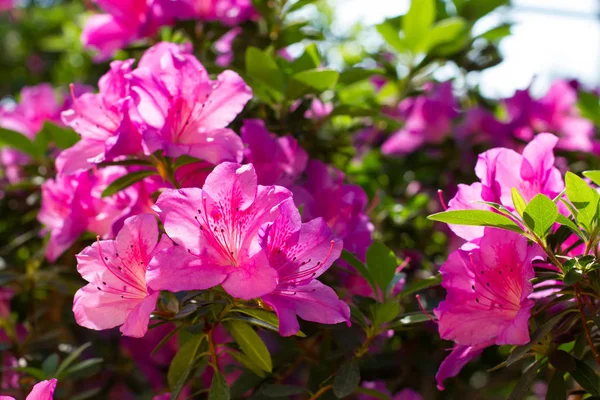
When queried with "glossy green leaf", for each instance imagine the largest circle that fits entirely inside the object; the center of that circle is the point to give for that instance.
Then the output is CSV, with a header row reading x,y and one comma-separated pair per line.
x,y
536,337
421,285
262,68
583,197
219,390
391,36
385,312
540,214
586,377
417,22
360,268
443,32
310,59
50,364
347,378
518,201
183,363
18,141
476,218
246,362
313,81
594,176
382,264
299,4
557,388
524,384
70,359
250,343
127,180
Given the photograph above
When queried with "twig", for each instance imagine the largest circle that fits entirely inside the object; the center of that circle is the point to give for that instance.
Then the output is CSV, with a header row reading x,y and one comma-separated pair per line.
x,y
585,327
321,392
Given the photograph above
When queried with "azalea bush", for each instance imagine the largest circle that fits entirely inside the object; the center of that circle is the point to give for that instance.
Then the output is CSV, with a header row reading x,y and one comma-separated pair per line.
x,y
233,199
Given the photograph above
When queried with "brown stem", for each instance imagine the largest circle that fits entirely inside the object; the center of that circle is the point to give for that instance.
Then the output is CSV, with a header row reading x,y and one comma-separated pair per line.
x,y
320,392
212,348
585,327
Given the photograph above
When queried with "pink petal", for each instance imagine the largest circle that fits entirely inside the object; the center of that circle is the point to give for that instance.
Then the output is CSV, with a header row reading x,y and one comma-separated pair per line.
x,y
106,34
136,323
95,309
253,279
454,363
174,269
229,96
43,390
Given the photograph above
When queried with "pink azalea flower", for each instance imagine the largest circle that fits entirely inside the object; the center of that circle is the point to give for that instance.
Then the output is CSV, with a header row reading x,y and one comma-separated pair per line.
x,y
103,121
277,160
556,112
224,47
217,228
43,390
301,253
181,111
427,120
454,363
488,288
500,170
127,21
74,204
6,5
118,292
37,105
318,110
228,12
342,206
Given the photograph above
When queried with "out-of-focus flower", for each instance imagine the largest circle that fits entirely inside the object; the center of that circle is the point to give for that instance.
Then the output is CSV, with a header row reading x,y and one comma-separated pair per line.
x,y
318,110
342,206
73,204
427,119
555,112
488,286
37,105
227,12
217,232
301,252
277,160
224,47
43,390
181,111
118,292
500,170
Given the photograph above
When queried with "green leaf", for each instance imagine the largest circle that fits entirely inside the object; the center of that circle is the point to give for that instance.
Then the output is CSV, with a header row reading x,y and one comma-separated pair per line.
x,y
416,317
536,337
590,108
557,389
50,364
127,180
385,312
17,141
445,31
518,201
62,137
391,36
183,363
475,9
561,219
281,390
583,197
35,372
86,364
310,59
382,264
218,388
299,4
476,218
262,318
421,285
353,75
262,68
417,21
522,387
313,81
572,277
246,362
70,359
359,267
346,379
251,344
586,377
497,33
540,214
594,176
